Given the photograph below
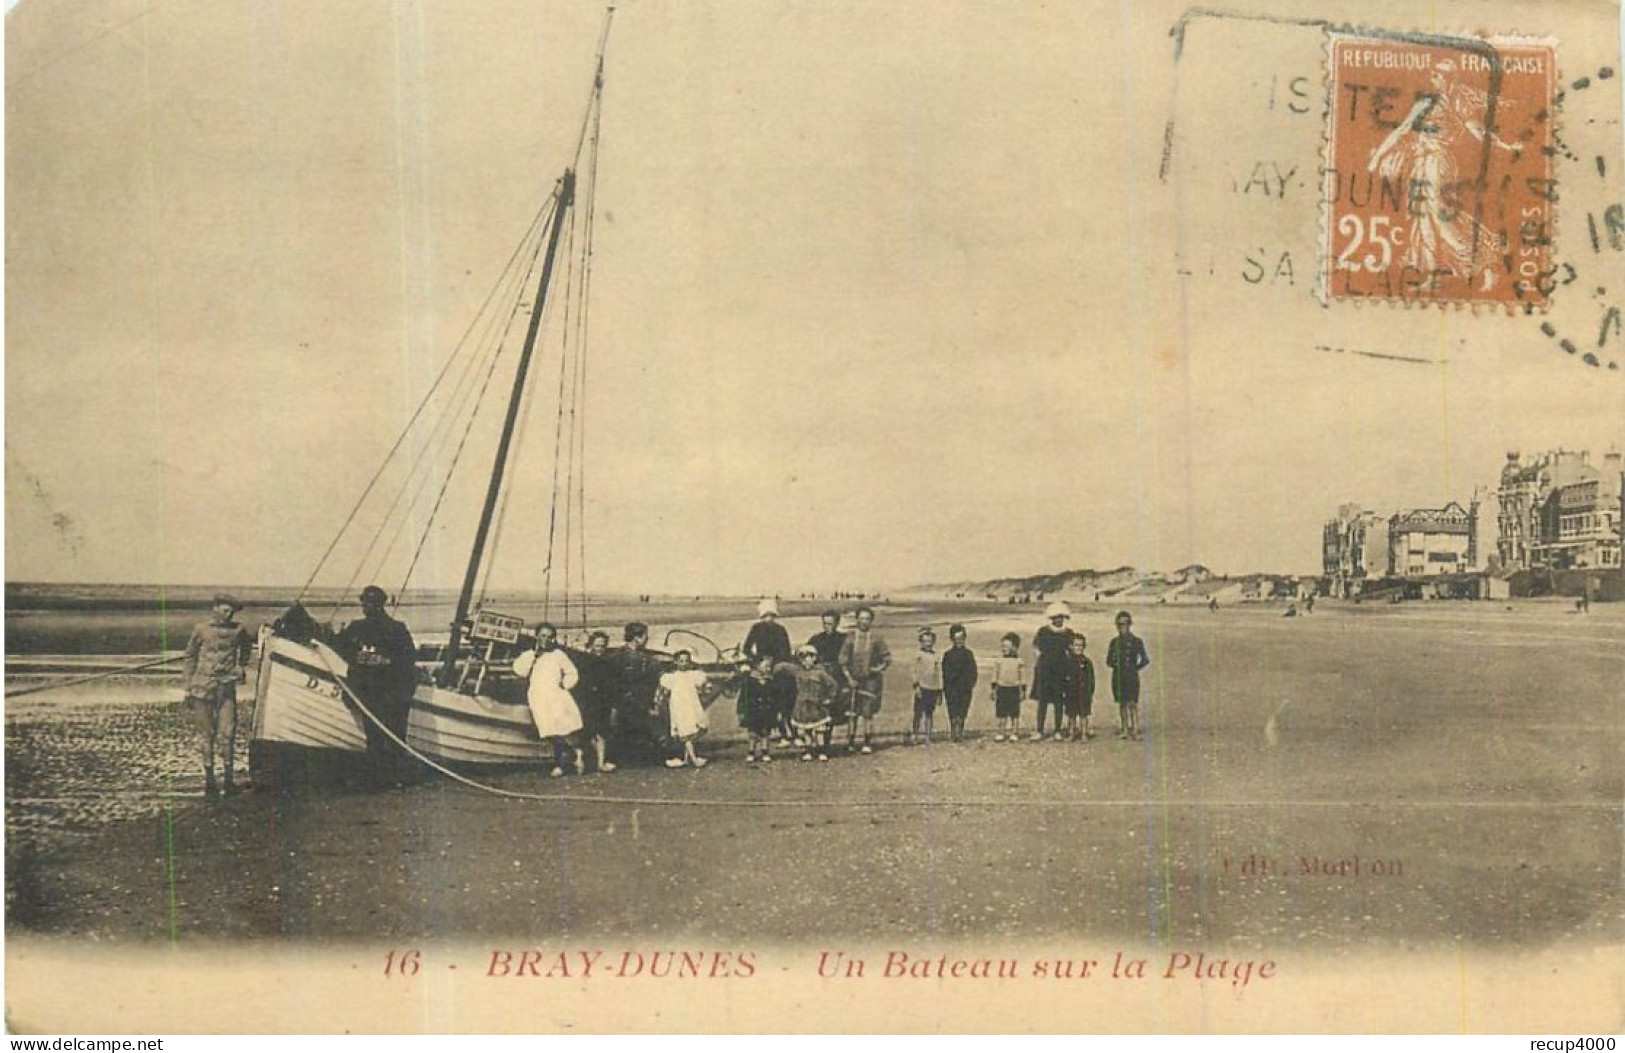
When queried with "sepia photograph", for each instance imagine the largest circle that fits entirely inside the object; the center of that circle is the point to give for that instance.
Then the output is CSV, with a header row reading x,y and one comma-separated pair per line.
x,y
742,516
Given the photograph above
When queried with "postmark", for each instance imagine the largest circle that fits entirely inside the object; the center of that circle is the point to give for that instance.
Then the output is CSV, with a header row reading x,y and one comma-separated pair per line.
x,y
1439,185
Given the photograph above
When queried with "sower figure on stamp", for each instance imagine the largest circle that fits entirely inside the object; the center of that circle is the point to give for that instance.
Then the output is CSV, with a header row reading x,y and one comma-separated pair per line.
x,y
865,657
216,662
383,672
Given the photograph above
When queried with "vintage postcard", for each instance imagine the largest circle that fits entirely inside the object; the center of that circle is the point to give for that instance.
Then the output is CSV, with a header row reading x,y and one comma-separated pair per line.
x,y
736,516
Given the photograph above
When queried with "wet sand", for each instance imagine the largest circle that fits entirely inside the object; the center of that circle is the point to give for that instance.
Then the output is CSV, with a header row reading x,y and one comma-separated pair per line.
x,y
1432,777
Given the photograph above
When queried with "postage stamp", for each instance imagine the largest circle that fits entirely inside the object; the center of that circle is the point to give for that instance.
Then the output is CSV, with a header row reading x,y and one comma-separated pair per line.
x,y
1439,184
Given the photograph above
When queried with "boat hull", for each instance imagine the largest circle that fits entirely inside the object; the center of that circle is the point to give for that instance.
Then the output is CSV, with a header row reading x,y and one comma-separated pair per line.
x,y
299,702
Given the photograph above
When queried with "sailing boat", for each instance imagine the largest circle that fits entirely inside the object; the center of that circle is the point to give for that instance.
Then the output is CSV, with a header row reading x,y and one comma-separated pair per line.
x,y
468,708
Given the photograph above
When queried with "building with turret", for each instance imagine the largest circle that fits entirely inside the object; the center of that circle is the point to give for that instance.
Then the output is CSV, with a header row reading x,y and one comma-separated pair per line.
x,y
1559,511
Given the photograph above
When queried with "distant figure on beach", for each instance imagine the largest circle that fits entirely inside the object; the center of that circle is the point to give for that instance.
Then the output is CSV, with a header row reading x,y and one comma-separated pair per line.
x,y
552,706
828,642
383,671
865,658
1126,657
927,685
216,662
1008,685
681,691
1051,665
958,681
1213,603
636,673
595,697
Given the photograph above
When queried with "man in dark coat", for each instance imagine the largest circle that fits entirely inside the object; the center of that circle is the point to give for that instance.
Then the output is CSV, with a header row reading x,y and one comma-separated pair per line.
x,y
383,672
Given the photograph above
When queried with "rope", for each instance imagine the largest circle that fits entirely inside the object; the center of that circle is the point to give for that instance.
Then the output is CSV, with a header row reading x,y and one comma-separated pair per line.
x,y
397,740
456,353
495,339
450,470
582,321
93,676
558,425
886,802
493,344
494,548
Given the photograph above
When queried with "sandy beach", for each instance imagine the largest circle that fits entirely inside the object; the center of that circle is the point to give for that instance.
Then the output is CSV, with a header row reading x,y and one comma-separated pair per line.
x,y
1445,776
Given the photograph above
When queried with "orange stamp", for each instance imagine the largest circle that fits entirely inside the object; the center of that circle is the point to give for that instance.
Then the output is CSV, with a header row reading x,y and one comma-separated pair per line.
x,y
1439,183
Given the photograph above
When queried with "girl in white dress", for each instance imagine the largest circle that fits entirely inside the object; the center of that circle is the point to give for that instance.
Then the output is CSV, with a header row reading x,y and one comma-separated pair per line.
x,y
552,675
681,689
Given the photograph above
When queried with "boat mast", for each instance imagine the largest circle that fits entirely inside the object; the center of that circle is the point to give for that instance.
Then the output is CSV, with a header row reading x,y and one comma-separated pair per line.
x,y
566,198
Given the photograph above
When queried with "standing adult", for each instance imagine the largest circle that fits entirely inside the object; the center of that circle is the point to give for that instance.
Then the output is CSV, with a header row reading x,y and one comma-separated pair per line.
x,y
552,706
383,672
864,658
216,662
1051,666
635,672
768,639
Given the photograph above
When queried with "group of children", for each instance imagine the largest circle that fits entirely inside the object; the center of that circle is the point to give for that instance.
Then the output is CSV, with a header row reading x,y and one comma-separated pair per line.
x,y
1063,681
803,702
799,699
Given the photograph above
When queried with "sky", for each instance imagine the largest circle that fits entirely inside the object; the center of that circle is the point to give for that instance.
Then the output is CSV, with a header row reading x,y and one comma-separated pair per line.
x,y
884,294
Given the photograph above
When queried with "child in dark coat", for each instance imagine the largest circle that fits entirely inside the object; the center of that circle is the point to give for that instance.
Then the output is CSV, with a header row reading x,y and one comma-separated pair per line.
x,y
1080,695
958,681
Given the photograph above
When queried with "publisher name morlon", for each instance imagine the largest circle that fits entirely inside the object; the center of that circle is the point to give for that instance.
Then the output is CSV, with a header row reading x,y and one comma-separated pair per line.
x,y
1254,865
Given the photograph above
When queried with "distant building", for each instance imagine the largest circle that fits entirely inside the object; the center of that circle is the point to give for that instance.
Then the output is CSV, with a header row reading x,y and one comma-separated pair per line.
x,y
1354,549
1558,511
1427,542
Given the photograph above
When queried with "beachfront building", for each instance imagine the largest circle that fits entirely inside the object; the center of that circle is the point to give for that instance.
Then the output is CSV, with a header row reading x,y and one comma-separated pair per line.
x,y
1428,542
1354,550
1558,511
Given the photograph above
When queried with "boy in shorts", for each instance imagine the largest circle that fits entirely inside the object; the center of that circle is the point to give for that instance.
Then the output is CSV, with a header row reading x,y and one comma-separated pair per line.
x,y
1126,656
927,685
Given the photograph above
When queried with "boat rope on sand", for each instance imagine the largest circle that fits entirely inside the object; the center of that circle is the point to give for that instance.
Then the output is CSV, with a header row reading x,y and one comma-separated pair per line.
x,y
344,686
93,676
894,802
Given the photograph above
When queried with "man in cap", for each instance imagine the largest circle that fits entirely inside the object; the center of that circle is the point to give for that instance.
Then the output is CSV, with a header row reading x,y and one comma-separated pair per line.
x,y
383,672
216,662
635,674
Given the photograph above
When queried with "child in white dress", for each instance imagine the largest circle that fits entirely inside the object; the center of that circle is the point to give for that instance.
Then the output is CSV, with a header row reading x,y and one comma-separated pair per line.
x,y
681,691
